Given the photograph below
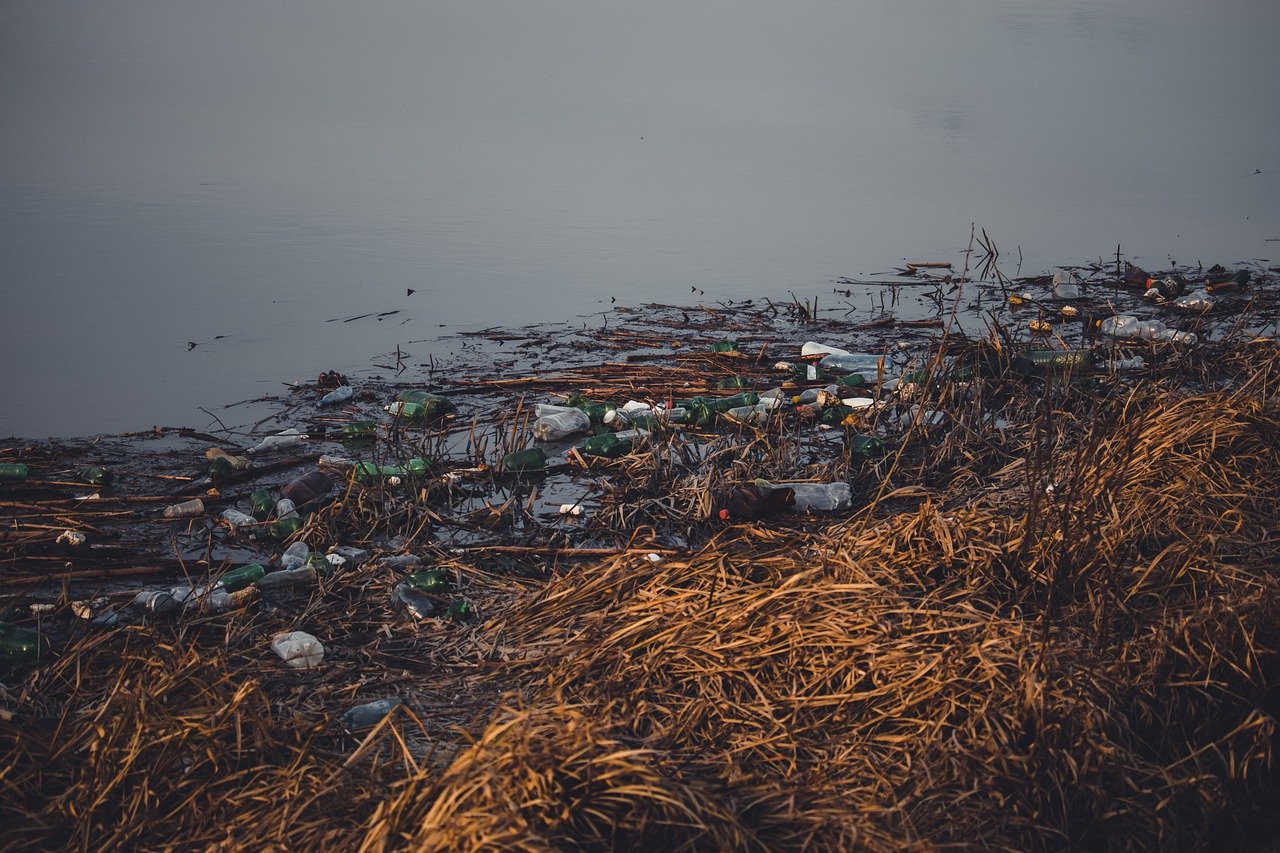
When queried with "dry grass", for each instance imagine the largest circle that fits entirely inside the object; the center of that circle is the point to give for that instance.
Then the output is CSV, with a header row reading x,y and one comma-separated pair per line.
x,y
1071,639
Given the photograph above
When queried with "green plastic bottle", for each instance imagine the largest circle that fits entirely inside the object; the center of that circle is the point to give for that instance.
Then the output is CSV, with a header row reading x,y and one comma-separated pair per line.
x,y
432,404
238,579
594,409
533,459
13,472
608,446
853,380
19,645
432,580
725,346
261,504
459,610
1079,360
96,475
724,404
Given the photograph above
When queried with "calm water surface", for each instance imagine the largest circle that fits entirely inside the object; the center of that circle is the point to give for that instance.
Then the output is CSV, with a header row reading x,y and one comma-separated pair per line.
x,y
175,171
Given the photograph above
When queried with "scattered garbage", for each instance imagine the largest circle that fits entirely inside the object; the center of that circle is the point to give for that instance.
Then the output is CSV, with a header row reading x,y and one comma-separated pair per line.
x,y
74,538
298,649
558,425
1067,285
186,509
1129,326
368,715
337,396
283,440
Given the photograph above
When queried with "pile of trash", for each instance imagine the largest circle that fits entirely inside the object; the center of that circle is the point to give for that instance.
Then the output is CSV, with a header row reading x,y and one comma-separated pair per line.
x,y
443,590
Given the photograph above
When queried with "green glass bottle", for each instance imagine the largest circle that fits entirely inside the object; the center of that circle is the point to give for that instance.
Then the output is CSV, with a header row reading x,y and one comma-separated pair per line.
x,y
284,528
220,469
13,472
358,430
866,446
608,446
533,459
724,404
238,579
433,580
594,409
261,504
725,346
459,610
729,382
407,411
1073,359
853,380
19,645
835,415
432,404
96,475
416,467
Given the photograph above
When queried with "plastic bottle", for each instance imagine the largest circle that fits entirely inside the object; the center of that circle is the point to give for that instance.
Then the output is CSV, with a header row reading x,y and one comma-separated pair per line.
x,y
812,349
155,601
298,649
459,611
13,471
237,463
284,509
242,577
408,601
1136,276
336,463
556,426
842,364
236,518
295,555
1197,302
337,396
307,488
280,441
757,414
524,460
432,404
186,509
817,497
730,382
368,715
432,580
297,576
1067,285
1129,326
407,411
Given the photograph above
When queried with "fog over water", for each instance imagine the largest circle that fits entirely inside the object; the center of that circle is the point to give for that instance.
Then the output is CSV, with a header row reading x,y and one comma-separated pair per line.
x,y
174,171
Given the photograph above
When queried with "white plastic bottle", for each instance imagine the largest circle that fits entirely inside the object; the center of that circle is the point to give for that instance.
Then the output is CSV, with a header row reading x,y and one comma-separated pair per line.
x,y
280,441
557,425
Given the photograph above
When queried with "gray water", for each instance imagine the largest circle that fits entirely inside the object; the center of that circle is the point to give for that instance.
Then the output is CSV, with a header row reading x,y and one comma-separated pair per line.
x,y
178,170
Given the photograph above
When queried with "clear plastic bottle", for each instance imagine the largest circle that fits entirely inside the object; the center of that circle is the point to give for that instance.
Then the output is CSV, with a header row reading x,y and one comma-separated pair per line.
x,y
295,555
561,424
1067,285
285,508
300,575
337,396
280,441
817,497
186,509
236,518
843,364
